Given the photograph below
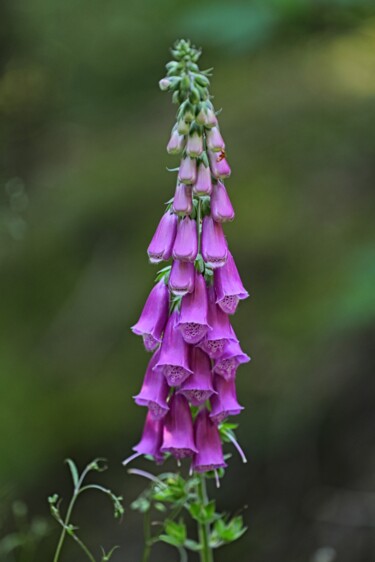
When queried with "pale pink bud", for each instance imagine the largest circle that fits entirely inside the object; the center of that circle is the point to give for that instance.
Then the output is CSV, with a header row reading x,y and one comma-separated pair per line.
x,y
221,207
188,170
214,139
203,185
176,142
194,145
183,201
219,165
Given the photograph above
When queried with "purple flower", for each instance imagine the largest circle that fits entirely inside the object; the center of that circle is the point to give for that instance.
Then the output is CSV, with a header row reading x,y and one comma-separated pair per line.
x,y
186,244
178,434
219,165
215,141
203,185
181,278
198,387
161,245
154,391
224,403
182,201
214,244
188,170
153,317
194,145
228,286
232,357
151,440
208,442
221,332
176,142
193,316
173,360
221,207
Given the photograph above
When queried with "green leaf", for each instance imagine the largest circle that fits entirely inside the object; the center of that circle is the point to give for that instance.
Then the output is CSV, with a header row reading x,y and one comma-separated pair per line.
x,y
73,471
176,530
169,540
192,545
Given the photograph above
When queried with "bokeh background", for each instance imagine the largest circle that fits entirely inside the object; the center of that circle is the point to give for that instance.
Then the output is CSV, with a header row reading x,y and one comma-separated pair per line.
x,y
83,181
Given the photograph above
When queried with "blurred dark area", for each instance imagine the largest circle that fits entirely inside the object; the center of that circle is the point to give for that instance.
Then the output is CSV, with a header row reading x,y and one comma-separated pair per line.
x,y
83,182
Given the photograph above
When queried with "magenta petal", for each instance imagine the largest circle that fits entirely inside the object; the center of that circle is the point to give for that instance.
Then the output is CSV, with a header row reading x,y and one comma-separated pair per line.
x,y
208,442
198,387
154,316
181,278
188,170
203,185
224,403
182,201
221,207
193,321
173,360
161,245
219,165
154,391
228,286
151,439
221,332
214,244
178,434
186,244
232,357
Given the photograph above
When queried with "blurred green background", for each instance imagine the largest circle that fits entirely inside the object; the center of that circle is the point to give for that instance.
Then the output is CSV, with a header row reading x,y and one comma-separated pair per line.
x,y
83,181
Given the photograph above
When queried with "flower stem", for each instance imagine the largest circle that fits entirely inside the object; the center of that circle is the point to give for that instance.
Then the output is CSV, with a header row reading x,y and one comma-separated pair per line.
x,y
147,536
206,553
199,221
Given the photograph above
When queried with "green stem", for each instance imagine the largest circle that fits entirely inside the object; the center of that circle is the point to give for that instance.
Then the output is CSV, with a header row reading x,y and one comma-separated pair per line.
x,y
206,553
147,536
199,220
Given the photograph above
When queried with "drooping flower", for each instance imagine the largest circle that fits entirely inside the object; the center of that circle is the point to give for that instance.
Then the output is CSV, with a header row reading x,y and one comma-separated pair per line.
x,y
228,286
154,391
194,145
221,206
203,185
208,442
224,403
150,442
214,244
161,245
198,387
221,333
206,116
178,434
173,360
193,321
219,165
181,278
188,170
154,316
182,200
176,142
233,356
186,244
214,140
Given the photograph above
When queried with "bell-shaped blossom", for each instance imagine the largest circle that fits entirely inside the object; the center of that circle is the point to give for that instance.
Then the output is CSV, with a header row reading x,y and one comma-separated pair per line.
x,y
176,142
151,440
198,387
178,433
173,360
219,165
186,244
221,331
193,321
194,145
154,316
224,403
154,391
203,185
232,357
188,170
221,206
214,244
182,277
161,245
228,286
206,116
182,200
214,140
208,442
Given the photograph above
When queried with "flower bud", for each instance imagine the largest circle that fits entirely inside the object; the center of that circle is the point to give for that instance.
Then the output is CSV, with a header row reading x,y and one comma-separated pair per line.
x,y
183,127
203,185
186,244
214,140
219,165
176,142
194,145
188,170
183,201
214,244
221,207
164,84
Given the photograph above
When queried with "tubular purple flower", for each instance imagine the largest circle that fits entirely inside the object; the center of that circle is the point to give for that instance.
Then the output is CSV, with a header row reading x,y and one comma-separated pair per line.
x,y
228,286
188,170
154,391
194,145
203,185
214,244
150,442
221,207
173,360
186,244
198,387
208,442
182,201
178,433
176,142
154,316
233,356
224,403
221,332
181,278
193,321
214,140
161,245
219,165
